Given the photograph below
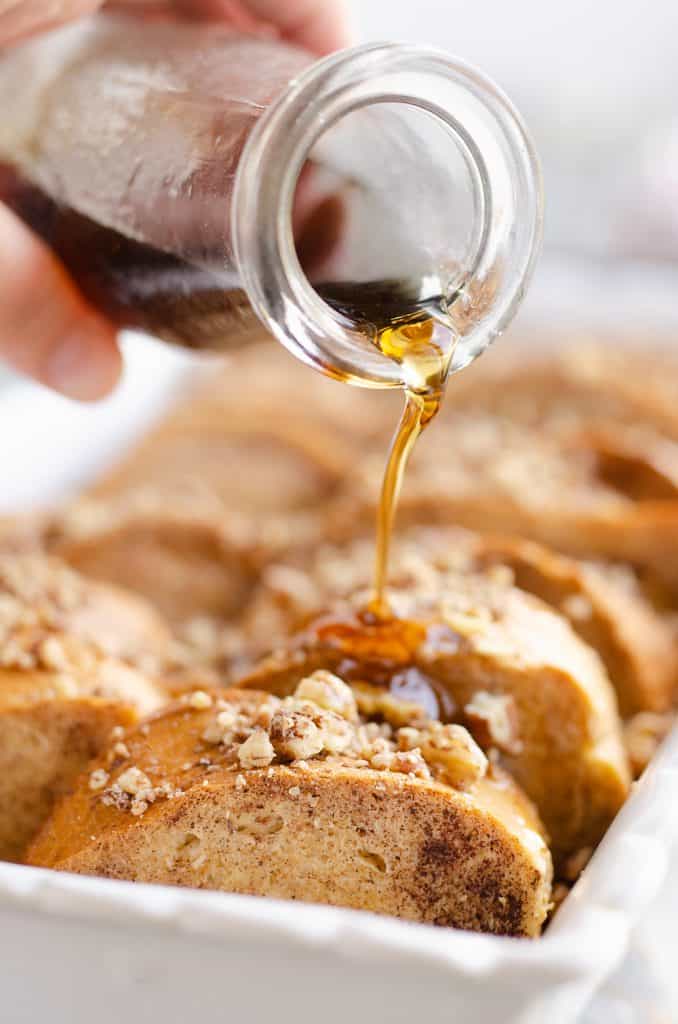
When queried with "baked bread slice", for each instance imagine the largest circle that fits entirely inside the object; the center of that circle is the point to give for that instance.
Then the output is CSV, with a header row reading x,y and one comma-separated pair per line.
x,y
195,564
579,381
61,694
244,793
608,608
187,558
503,477
605,604
41,592
478,651
266,436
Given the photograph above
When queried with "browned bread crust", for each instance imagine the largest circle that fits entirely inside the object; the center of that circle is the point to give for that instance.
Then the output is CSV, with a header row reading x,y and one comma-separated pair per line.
x,y
185,559
609,610
187,806
267,435
61,693
473,635
580,381
605,604
576,450
40,595
503,477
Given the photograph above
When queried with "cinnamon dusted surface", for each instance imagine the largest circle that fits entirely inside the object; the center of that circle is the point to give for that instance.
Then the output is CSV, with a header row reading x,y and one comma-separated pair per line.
x,y
214,793
61,692
470,635
605,603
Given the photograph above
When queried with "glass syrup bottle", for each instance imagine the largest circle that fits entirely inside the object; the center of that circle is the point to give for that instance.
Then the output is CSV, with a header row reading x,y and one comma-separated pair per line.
x,y
196,182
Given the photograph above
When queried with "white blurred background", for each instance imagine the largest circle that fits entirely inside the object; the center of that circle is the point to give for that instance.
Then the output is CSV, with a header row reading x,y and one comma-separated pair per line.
x,y
597,83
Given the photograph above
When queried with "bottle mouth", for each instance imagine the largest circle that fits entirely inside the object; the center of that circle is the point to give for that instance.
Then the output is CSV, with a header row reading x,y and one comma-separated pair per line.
x,y
388,182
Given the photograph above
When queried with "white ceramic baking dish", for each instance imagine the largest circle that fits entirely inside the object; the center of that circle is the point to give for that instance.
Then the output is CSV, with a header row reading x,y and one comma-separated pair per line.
x,y
79,950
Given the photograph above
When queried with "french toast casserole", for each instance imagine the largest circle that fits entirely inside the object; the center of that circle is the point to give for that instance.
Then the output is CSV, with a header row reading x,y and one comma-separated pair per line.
x,y
194,690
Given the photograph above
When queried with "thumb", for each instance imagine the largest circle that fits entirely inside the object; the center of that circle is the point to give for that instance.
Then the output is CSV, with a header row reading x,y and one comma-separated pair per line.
x,y
317,25
47,330
19,18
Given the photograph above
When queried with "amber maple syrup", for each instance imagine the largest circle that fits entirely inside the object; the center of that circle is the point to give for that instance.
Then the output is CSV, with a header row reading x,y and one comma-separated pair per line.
x,y
426,365
192,303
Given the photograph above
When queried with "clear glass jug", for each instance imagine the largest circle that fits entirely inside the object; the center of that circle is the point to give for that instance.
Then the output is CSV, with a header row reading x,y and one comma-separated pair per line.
x,y
190,178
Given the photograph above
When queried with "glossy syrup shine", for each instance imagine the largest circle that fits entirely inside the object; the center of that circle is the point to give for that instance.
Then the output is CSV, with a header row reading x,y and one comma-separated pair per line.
x,y
425,359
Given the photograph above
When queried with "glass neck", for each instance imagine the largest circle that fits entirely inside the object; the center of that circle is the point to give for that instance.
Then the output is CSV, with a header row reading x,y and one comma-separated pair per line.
x,y
426,199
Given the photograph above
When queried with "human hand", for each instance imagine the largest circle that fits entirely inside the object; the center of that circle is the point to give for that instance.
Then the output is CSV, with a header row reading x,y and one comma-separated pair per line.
x,y
47,329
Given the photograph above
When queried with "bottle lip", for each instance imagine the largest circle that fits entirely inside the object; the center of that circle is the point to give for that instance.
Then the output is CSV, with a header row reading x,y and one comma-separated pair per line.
x,y
499,155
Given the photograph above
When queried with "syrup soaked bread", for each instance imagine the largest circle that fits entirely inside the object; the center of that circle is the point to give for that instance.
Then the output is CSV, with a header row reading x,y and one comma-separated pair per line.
x,y
61,692
604,604
475,650
303,799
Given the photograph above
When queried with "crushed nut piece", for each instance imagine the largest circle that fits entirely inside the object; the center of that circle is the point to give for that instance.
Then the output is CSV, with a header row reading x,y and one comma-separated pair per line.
x,y
53,655
98,778
411,762
295,735
199,700
408,738
134,781
452,750
382,760
221,728
257,750
294,792
336,733
266,711
240,782
493,720
328,692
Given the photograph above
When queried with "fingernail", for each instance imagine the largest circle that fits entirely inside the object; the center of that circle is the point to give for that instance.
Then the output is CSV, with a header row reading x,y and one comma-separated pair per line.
x,y
82,367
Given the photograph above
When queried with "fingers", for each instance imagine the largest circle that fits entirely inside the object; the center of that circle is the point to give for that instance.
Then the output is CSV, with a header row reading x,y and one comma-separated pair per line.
x,y
318,25
47,330
19,18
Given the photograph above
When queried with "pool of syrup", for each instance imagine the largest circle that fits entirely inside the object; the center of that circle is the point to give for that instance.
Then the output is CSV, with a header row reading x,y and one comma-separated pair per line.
x,y
381,650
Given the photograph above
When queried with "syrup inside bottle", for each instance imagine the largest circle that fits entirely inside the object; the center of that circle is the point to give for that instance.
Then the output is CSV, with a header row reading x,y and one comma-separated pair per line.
x,y
195,305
